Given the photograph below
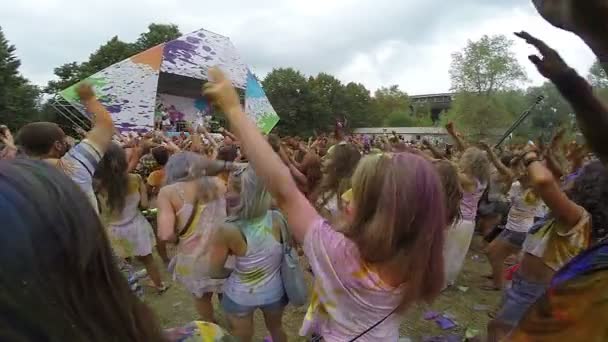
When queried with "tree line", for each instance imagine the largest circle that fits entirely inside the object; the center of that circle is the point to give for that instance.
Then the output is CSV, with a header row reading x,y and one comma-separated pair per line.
x,y
488,83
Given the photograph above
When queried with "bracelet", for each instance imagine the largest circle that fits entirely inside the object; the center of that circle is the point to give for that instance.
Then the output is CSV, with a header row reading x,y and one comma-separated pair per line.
x,y
529,161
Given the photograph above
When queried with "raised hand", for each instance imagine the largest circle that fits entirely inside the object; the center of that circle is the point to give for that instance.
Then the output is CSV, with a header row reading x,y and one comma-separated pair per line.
x,y
85,92
450,127
550,64
221,92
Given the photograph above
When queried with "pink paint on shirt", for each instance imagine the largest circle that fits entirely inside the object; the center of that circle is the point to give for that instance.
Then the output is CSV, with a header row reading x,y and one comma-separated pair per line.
x,y
347,297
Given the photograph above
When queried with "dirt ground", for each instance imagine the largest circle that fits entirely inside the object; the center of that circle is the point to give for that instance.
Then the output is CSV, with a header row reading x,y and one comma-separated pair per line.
x,y
468,305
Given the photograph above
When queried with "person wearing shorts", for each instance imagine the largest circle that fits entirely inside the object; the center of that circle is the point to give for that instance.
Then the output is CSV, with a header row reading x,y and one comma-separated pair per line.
x,y
524,208
252,236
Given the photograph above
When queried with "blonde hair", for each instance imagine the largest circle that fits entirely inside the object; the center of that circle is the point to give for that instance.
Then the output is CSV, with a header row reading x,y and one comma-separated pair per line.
x,y
255,200
399,217
475,162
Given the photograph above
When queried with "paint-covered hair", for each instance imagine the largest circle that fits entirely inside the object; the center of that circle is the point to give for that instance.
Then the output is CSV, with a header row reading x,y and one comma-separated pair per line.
x,y
189,166
184,167
59,279
254,199
400,218
475,162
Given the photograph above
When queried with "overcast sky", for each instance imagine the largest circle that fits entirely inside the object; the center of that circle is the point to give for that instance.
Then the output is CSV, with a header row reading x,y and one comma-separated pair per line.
x,y
375,42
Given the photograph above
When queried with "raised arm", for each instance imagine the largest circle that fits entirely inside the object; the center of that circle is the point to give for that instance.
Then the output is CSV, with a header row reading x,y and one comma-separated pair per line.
x,y
552,162
591,113
103,126
502,168
460,144
436,153
266,162
209,138
549,190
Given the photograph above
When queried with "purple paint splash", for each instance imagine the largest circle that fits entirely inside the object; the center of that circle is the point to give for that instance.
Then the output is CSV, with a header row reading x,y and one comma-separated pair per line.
x,y
179,50
114,109
193,40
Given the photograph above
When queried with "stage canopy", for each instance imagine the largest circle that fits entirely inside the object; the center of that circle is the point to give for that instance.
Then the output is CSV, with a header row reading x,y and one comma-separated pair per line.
x,y
167,80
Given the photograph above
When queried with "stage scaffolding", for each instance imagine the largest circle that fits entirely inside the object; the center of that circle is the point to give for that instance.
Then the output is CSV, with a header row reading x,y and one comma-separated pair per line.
x,y
71,113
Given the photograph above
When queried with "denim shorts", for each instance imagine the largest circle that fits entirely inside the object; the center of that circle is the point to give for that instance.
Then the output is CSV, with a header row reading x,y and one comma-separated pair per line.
x,y
513,237
232,308
518,299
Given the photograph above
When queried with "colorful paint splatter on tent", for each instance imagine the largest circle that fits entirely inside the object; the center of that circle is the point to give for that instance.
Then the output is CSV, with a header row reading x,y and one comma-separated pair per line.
x,y
193,54
129,88
258,107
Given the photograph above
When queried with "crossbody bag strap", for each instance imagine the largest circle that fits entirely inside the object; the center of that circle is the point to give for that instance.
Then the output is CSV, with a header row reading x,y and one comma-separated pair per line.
x,y
190,219
373,326
285,236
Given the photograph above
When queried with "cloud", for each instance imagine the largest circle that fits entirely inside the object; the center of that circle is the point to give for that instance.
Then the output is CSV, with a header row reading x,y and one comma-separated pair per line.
x,y
375,42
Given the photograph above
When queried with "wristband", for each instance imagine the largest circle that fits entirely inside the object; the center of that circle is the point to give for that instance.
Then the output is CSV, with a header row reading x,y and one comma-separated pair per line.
x,y
529,161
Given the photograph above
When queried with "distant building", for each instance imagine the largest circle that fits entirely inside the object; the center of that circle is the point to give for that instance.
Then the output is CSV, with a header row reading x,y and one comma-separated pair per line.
x,y
433,134
437,103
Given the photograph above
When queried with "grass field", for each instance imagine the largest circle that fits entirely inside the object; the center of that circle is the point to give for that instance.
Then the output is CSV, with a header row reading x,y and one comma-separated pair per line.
x,y
175,308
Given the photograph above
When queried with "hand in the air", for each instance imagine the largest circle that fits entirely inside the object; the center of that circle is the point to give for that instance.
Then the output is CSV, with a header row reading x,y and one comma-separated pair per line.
x,y
450,127
220,91
550,64
85,92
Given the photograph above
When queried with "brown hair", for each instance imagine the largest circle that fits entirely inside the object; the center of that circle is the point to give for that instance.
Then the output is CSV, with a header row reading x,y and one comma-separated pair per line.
x,y
37,138
337,171
399,217
452,189
69,287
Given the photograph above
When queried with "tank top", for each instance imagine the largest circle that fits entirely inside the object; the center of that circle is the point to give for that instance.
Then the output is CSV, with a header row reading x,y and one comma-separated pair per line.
x,y
470,201
256,278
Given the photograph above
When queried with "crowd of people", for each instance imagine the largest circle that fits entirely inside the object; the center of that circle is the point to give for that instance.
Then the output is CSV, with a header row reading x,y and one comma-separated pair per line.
x,y
382,224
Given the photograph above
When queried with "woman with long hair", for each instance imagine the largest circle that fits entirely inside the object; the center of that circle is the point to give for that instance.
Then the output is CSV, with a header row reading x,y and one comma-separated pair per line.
x,y
190,206
252,234
452,190
337,168
59,278
389,256
121,195
474,175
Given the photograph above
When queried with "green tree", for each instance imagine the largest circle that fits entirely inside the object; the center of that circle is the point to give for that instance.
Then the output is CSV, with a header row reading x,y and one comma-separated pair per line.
x,y
486,66
18,98
553,112
113,51
157,34
290,94
388,100
483,75
357,105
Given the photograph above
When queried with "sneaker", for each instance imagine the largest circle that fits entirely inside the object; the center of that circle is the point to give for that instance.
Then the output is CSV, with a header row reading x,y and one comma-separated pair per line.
x,y
162,289
140,274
